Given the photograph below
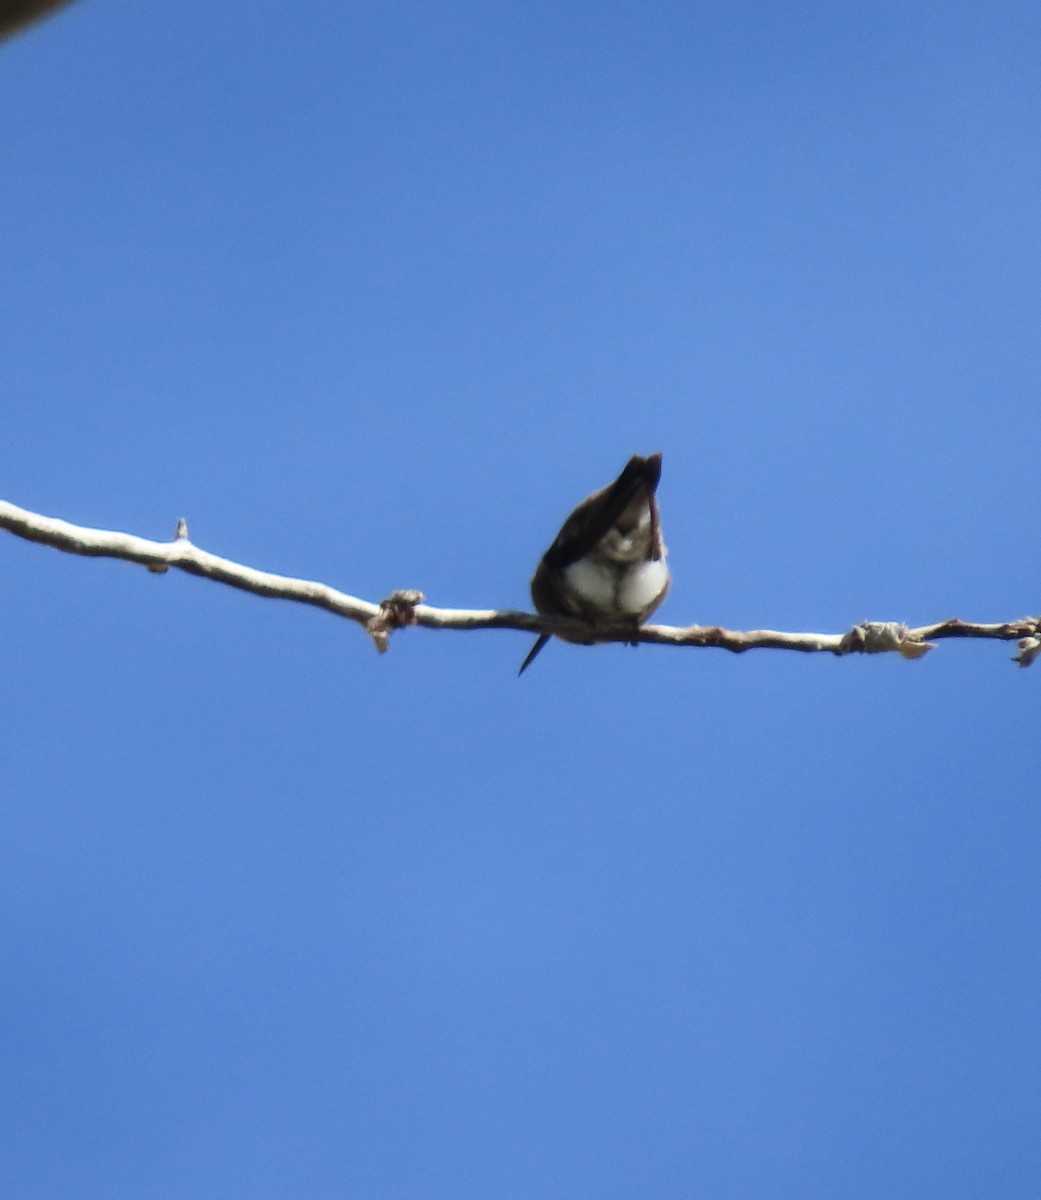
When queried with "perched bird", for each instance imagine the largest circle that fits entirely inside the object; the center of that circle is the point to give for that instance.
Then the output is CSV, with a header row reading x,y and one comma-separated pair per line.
x,y
607,564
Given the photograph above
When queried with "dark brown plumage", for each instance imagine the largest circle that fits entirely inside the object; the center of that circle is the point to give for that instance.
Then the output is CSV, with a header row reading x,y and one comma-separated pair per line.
x,y
607,563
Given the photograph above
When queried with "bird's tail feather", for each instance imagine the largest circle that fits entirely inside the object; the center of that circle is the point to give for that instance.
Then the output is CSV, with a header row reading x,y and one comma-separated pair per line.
x,y
533,653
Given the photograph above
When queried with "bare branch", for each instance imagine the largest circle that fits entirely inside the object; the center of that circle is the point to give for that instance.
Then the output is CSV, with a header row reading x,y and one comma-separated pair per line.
x,y
404,608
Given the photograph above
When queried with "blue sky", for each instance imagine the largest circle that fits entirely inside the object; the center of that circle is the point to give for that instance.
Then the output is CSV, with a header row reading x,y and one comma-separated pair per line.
x,y
373,294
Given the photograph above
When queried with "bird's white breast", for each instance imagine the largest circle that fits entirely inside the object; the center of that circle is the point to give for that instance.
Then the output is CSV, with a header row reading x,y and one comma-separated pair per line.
x,y
614,589
594,583
641,585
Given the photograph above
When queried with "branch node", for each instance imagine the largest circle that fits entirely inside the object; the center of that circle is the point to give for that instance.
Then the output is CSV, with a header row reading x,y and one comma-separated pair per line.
x,y
1029,649
880,637
396,611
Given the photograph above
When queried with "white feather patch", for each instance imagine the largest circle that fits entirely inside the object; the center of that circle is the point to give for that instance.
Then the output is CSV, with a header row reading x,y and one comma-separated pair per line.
x,y
642,585
593,582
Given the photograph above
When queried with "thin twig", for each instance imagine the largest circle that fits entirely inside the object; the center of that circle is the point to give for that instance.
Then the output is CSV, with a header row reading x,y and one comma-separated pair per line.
x,y
406,608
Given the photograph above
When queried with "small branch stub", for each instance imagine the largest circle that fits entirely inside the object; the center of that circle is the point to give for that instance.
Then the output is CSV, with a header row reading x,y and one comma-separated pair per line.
x,y
396,611
180,535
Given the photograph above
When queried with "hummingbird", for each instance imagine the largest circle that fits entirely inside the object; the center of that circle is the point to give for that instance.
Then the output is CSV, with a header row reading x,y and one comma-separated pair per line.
x,y
607,563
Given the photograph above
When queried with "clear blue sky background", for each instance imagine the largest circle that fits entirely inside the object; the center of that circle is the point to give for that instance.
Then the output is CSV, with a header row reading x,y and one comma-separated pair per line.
x,y
373,294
